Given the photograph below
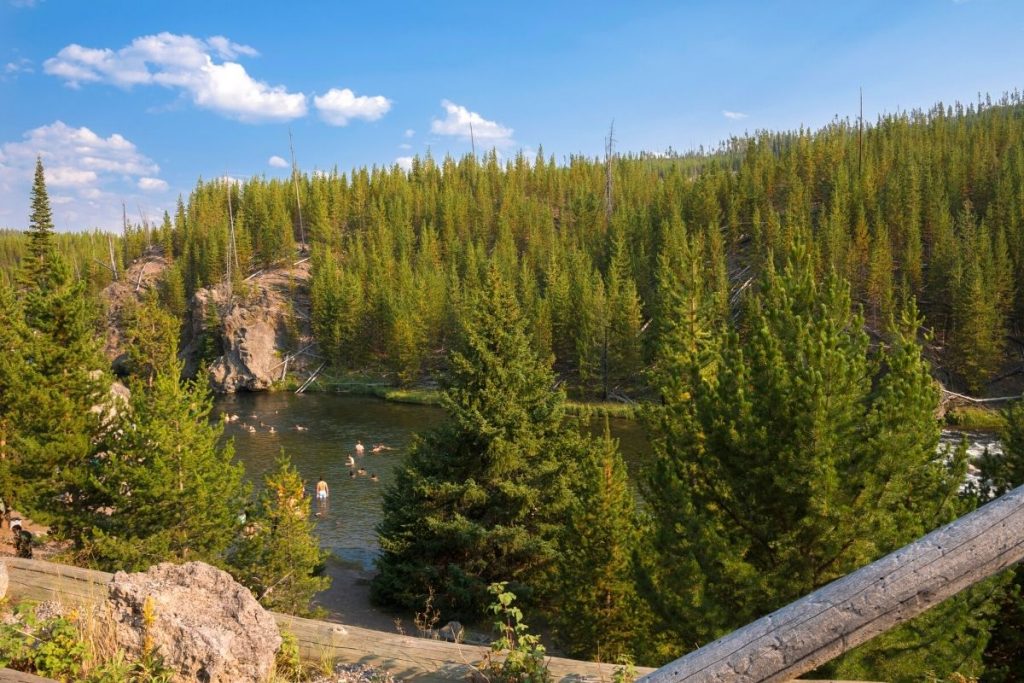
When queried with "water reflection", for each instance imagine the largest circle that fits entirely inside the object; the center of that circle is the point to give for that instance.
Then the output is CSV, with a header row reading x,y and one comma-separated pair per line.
x,y
321,432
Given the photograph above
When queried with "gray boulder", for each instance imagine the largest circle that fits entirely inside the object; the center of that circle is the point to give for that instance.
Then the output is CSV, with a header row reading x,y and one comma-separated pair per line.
x,y
206,626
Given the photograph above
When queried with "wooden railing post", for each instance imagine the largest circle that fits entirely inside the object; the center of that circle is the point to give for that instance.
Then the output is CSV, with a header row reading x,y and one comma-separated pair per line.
x,y
849,611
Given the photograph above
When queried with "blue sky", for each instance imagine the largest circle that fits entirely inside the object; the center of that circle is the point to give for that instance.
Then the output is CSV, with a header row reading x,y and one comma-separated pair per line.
x,y
133,101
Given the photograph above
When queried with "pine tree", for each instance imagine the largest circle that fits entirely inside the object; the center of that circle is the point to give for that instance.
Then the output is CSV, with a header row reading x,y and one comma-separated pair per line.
x,y
172,291
173,491
40,229
58,413
999,473
150,338
794,463
13,336
595,610
278,556
480,499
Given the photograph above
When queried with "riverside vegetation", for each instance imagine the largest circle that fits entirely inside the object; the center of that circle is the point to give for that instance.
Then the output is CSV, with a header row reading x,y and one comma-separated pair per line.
x,y
784,302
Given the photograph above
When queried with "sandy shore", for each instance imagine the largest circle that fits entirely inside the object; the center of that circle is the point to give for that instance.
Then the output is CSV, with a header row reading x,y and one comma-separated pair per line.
x,y
348,600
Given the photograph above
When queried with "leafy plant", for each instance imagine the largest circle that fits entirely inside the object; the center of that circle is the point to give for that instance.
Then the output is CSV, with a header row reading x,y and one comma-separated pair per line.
x,y
56,647
286,661
517,655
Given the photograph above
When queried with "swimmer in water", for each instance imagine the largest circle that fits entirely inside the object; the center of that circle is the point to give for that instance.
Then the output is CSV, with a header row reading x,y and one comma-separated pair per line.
x,y
351,474
373,477
350,462
321,489
360,449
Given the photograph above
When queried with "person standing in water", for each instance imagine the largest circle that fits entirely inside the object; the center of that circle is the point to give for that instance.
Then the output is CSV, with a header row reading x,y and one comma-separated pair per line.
x,y
359,448
321,489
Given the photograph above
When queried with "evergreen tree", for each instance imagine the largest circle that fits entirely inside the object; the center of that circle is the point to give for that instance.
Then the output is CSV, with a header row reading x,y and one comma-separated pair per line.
x,y
57,411
174,494
13,336
40,230
481,498
278,556
1001,472
595,610
172,291
150,338
794,463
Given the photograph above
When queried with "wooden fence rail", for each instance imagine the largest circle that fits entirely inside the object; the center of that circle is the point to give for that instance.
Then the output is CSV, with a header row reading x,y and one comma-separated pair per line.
x,y
861,605
779,647
406,657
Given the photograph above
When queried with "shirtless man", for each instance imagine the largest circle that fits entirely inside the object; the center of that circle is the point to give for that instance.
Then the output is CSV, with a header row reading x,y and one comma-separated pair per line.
x,y
321,489
360,449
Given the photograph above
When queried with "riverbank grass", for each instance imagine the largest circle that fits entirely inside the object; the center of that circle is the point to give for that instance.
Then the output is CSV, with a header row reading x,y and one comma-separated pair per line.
x,y
366,385
975,418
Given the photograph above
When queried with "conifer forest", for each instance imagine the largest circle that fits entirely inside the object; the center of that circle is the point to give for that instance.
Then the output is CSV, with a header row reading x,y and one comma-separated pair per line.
x,y
785,314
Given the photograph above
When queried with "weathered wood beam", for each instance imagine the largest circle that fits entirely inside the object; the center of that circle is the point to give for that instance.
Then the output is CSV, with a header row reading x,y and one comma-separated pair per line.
x,y
405,656
12,676
849,611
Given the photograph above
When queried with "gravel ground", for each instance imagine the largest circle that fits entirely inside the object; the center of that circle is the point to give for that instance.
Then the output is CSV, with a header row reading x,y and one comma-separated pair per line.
x,y
356,673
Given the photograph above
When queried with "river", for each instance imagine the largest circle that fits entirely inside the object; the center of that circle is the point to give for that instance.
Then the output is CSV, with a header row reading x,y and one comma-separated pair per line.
x,y
334,423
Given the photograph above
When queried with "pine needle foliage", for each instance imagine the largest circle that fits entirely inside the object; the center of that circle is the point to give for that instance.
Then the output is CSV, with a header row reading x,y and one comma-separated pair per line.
x,y
278,556
788,456
481,498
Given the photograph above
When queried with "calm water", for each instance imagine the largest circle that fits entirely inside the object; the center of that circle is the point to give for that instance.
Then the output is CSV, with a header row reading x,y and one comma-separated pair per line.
x,y
347,522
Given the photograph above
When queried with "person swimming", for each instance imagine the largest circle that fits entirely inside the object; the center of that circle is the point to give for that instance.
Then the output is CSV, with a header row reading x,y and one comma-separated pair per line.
x,y
321,489
378,447
350,462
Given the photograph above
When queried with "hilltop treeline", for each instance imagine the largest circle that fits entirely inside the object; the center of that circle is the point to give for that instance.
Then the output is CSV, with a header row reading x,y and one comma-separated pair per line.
x,y
91,256
926,204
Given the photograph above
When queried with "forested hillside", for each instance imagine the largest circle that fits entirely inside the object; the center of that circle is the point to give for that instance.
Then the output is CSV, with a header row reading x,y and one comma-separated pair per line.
x,y
928,204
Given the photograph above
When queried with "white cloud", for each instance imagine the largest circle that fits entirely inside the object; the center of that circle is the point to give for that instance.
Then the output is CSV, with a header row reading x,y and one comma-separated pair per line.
x,y
277,162
405,145
152,185
227,49
20,65
91,173
733,115
409,132
338,107
185,63
66,176
460,120
405,163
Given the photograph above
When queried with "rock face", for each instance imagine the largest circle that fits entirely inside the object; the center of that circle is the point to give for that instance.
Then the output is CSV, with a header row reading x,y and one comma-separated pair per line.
x,y
206,626
256,329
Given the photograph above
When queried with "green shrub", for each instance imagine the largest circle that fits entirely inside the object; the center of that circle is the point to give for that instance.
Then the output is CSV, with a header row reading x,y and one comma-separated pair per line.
x,y
516,656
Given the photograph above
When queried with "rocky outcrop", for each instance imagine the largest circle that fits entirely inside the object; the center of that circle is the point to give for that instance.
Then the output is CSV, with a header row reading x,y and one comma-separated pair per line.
x,y
254,329
206,626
